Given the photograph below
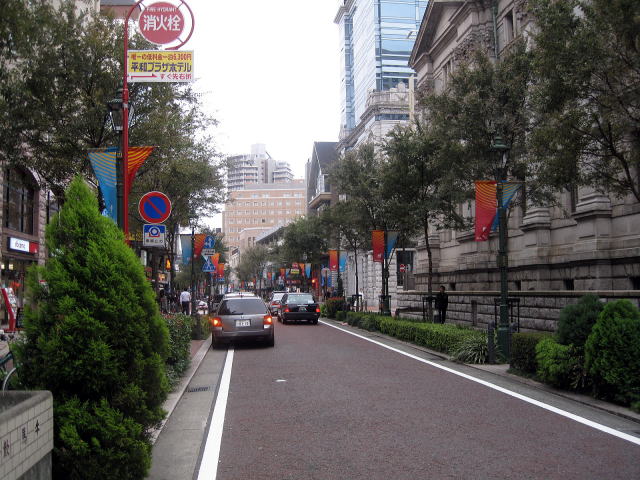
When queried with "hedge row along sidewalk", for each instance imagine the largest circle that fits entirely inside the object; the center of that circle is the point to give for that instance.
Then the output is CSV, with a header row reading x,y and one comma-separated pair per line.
x,y
445,338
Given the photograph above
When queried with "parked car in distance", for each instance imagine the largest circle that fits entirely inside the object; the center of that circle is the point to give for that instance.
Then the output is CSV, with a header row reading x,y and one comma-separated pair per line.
x,y
274,302
299,306
244,317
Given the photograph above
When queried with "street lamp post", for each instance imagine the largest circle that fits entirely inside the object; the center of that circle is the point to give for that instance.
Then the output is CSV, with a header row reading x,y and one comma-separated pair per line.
x,y
501,147
120,113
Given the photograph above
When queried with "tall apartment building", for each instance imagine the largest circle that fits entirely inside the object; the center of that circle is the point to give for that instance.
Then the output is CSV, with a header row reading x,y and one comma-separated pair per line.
x,y
376,39
256,167
260,207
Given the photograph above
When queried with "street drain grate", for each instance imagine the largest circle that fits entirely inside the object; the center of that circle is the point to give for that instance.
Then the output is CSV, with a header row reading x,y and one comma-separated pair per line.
x,y
198,389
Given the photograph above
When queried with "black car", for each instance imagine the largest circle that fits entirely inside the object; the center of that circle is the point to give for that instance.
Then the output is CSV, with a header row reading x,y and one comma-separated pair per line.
x,y
299,306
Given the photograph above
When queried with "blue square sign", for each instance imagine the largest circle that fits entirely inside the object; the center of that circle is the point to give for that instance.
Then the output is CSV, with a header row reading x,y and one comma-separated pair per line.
x,y
153,235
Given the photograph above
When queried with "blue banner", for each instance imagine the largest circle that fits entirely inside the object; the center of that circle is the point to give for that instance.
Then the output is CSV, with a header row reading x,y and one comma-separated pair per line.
x,y
103,161
343,262
185,243
509,189
392,238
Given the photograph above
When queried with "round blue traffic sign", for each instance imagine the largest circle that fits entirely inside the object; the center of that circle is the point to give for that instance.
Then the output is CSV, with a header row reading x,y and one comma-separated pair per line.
x,y
154,207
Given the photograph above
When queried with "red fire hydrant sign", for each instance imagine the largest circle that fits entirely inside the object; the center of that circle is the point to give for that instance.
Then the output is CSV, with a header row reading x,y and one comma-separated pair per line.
x,y
161,23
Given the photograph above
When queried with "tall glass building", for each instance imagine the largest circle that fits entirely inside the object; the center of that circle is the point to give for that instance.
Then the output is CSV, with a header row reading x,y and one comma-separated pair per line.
x,y
376,39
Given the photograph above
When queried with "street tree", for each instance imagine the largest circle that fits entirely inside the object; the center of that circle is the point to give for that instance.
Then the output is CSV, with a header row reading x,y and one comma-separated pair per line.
x,y
483,100
423,189
94,337
253,261
587,93
353,232
304,240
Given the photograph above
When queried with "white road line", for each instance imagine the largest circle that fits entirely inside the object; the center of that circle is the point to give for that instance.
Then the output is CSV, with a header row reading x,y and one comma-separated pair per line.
x,y
597,426
209,465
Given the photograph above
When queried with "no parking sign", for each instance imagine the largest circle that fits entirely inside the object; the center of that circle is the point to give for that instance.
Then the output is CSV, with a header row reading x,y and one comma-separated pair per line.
x,y
154,207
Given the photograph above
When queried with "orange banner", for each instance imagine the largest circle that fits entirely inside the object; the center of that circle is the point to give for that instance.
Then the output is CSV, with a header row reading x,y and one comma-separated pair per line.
x,y
220,270
137,156
198,244
333,260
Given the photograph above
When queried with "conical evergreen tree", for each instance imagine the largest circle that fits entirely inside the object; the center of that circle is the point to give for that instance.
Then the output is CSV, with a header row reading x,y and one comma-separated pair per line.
x,y
94,337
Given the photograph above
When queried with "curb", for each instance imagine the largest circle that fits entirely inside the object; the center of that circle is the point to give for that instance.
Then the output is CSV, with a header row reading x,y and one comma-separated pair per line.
x,y
174,397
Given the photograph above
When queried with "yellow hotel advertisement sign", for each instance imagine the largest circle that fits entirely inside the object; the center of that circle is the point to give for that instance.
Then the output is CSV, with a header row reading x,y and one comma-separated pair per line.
x,y
160,66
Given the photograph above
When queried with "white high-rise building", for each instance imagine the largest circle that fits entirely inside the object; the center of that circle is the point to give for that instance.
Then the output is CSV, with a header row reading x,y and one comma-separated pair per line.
x,y
256,167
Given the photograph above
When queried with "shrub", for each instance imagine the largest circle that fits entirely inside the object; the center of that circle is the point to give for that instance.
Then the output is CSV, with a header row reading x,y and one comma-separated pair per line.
x,y
472,350
200,327
333,305
341,316
558,365
523,351
612,352
179,358
95,338
576,321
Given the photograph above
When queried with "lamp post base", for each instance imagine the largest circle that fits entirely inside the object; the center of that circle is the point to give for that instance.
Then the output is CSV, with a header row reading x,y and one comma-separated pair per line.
x,y
504,343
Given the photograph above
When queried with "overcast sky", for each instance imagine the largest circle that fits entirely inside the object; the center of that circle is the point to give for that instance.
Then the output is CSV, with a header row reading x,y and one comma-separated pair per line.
x,y
269,72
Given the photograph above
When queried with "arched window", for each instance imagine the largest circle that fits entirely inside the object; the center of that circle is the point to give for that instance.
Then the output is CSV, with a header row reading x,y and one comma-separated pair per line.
x,y
19,200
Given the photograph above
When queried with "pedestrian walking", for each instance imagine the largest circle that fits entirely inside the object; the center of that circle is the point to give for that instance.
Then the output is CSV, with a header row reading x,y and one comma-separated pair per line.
x,y
442,302
185,300
163,301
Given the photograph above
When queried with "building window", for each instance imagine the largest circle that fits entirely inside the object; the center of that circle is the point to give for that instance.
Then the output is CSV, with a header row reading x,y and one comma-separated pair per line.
x,y
19,199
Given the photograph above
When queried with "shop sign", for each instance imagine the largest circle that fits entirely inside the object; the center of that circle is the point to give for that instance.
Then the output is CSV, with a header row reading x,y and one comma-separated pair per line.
x,y
23,245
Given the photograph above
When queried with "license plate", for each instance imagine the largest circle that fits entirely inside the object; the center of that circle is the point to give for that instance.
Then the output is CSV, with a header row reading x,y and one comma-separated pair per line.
x,y
243,323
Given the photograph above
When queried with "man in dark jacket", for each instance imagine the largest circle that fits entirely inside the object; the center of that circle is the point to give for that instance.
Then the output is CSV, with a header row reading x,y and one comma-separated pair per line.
x,y
442,302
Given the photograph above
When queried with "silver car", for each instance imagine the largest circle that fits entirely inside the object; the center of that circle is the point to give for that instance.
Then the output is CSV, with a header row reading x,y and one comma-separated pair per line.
x,y
241,318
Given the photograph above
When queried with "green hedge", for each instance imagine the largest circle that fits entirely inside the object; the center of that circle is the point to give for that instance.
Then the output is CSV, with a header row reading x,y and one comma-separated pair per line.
x,y
523,351
443,338
334,305
558,365
179,358
612,353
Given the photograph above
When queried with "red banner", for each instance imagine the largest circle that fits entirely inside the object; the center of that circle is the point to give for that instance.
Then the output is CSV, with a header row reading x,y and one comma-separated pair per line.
x,y
215,259
486,204
220,270
377,243
282,272
333,260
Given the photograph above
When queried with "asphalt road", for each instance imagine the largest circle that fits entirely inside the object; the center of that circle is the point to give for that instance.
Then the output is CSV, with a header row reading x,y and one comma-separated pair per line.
x,y
324,404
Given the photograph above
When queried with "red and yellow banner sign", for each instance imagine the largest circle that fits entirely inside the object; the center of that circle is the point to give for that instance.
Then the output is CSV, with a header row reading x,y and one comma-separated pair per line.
x,y
198,243
486,204
220,270
377,243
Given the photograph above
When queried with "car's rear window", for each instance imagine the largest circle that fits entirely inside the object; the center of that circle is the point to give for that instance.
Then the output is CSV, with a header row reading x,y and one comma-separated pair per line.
x,y
277,296
242,306
300,299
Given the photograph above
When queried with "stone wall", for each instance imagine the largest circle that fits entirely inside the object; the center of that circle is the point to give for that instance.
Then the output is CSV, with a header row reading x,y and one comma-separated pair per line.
x,y
538,311
26,435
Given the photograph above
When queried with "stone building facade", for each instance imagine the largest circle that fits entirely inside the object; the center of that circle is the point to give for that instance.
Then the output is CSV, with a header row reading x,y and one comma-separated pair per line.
x,y
589,243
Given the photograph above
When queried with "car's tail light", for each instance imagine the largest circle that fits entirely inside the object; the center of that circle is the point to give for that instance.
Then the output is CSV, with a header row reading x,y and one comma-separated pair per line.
x,y
286,310
317,309
268,320
216,322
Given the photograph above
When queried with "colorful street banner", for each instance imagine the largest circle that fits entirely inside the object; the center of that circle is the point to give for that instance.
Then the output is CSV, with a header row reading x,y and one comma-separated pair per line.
x,y
199,243
282,272
343,262
301,265
509,189
392,239
103,162
485,208
333,260
377,243
215,259
307,270
185,244
137,156
269,275
220,270
287,271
